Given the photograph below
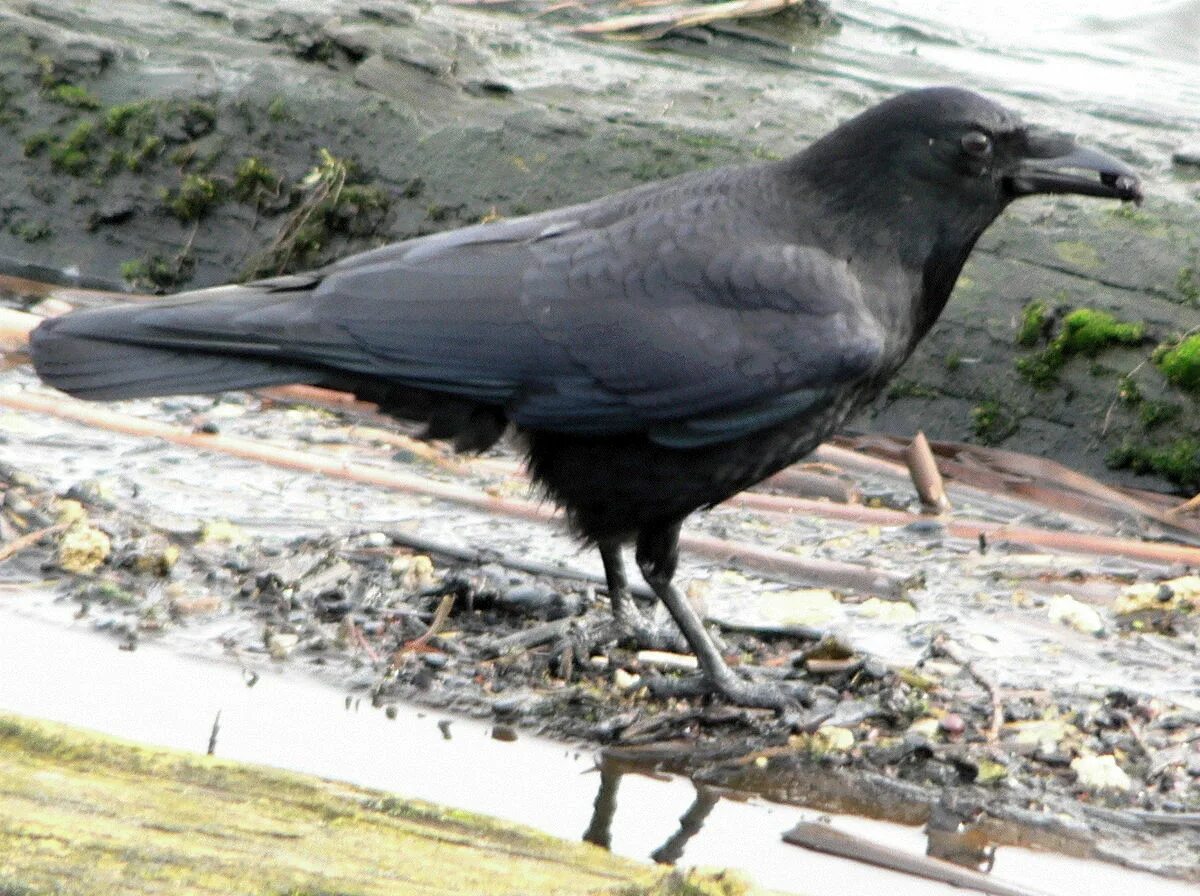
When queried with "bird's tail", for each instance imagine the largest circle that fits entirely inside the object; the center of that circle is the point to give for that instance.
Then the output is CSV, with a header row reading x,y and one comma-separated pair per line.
x,y
199,342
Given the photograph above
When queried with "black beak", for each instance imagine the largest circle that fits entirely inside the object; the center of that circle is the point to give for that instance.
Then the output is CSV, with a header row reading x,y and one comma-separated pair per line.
x,y
1054,163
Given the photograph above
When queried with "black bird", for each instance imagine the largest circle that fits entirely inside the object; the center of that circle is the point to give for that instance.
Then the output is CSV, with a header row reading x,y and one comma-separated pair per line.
x,y
659,350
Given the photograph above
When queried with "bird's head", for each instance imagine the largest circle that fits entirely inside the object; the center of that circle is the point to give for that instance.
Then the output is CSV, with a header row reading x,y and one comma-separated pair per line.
x,y
952,148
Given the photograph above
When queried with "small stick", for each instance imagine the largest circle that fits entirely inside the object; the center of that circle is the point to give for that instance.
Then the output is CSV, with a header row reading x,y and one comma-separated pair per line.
x,y
212,736
360,639
925,475
828,839
529,638
17,545
439,619
1187,506
944,646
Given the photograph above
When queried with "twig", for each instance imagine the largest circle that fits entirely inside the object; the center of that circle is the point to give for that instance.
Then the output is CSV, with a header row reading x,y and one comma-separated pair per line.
x,y
509,561
212,734
656,24
529,638
17,545
946,647
439,619
360,639
828,839
1187,506
925,476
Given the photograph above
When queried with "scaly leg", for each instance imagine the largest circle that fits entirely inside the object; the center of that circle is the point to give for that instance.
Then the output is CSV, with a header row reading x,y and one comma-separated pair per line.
x,y
657,557
646,633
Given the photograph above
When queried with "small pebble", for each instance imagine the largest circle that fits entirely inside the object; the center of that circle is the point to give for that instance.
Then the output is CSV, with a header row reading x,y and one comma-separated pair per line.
x,y
661,659
625,681
1100,773
952,724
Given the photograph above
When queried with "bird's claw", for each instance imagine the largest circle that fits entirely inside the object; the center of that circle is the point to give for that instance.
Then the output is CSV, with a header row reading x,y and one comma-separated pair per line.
x,y
651,634
786,698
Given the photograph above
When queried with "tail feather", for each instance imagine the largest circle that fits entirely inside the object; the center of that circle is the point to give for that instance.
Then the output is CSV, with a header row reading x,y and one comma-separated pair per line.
x,y
122,352
102,370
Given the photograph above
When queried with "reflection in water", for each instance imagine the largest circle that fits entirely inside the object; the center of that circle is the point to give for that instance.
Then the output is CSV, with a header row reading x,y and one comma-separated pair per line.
x,y
690,824
287,721
599,830
604,809
955,833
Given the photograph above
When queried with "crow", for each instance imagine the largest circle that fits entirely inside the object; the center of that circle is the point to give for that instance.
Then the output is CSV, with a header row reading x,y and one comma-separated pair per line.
x,y
658,350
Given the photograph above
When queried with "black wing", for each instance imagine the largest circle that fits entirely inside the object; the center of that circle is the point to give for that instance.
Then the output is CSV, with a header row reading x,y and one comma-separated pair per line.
x,y
681,319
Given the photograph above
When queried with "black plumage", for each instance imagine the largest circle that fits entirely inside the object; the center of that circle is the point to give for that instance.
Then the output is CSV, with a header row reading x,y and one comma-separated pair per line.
x,y
659,349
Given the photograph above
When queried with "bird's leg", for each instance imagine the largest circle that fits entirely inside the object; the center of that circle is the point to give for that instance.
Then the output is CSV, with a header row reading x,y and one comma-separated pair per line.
x,y
644,632
657,557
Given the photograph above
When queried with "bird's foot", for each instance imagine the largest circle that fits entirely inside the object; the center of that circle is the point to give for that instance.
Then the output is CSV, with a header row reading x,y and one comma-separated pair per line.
x,y
785,697
647,633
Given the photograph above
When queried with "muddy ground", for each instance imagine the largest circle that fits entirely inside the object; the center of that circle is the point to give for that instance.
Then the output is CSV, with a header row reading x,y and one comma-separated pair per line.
x,y
188,150
1055,693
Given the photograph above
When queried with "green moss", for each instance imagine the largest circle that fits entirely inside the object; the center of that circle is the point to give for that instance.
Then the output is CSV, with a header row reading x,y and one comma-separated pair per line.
x,y
335,202
192,201
1077,254
1089,332
201,116
134,120
36,144
1177,461
1135,216
903,388
1033,326
1156,413
992,422
953,361
73,96
1041,370
1084,332
85,814
150,148
157,273
31,231
1128,391
254,180
1181,364
73,154
1187,285
277,109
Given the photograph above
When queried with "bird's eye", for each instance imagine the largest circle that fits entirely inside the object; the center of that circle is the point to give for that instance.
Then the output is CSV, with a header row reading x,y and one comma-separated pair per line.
x,y
977,143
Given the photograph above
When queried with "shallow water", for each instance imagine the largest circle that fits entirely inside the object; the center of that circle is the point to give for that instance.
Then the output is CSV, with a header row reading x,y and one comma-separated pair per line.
x,y
53,670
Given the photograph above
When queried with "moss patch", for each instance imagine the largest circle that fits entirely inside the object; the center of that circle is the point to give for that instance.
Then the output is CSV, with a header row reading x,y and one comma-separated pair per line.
x,y
1084,331
81,813
194,198
1034,324
1177,461
254,180
1188,285
74,154
73,96
992,422
334,199
157,273
1181,364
